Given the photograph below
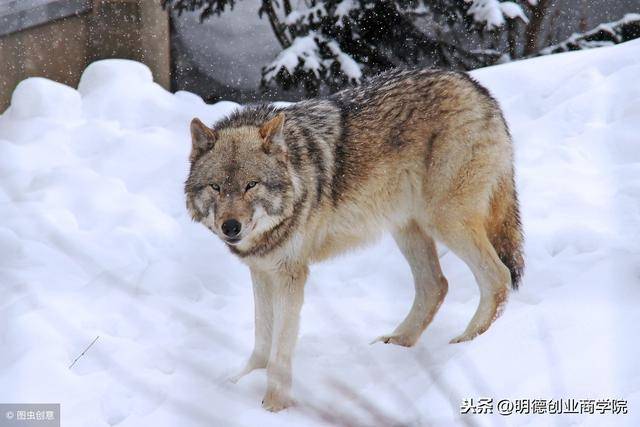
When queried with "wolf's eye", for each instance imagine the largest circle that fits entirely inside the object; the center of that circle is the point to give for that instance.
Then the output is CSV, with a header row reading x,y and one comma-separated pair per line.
x,y
215,187
250,185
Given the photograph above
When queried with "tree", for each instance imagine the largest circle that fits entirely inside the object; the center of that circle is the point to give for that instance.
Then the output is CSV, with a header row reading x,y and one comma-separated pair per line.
x,y
537,11
332,43
336,42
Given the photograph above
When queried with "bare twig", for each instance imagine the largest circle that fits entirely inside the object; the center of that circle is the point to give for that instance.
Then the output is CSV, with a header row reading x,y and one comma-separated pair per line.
x,y
85,350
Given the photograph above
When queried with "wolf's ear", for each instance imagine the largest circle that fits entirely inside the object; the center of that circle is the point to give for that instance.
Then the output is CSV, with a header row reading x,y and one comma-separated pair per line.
x,y
271,133
202,138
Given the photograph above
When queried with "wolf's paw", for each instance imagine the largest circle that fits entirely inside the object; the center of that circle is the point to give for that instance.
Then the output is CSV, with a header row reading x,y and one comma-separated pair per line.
x,y
252,364
462,338
246,371
405,340
235,378
275,401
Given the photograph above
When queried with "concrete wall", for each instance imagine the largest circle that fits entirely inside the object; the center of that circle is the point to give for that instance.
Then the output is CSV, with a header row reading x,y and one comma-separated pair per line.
x,y
61,49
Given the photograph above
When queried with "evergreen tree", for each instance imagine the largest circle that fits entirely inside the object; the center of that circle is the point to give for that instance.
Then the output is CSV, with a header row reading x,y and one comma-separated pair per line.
x,y
333,43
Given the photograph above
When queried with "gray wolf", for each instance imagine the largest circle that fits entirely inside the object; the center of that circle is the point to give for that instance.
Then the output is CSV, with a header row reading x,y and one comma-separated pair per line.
x,y
425,155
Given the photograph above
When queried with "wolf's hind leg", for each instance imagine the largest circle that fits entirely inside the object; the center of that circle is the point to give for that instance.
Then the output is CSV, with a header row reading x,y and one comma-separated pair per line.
x,y
263,302
430,285
469,241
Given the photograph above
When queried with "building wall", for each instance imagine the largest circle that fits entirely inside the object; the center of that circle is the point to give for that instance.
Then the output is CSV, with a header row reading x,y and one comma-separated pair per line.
x,y
61,49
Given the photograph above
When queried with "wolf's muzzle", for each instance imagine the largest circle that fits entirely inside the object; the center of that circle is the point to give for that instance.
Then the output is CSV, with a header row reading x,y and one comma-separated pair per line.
x,y
231,228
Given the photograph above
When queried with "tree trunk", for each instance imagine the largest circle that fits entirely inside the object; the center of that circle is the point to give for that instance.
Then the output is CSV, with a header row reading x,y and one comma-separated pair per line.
x,y
276,25
533,30
512,38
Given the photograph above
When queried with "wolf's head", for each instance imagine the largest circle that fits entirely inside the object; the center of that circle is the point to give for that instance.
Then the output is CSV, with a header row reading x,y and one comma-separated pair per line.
x,y
240,184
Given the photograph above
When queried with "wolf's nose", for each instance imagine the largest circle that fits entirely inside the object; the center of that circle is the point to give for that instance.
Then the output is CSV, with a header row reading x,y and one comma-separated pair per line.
x,y
231,228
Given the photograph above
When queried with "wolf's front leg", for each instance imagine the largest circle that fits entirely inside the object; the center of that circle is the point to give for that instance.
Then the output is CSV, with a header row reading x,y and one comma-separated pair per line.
x,y
263,303
287,297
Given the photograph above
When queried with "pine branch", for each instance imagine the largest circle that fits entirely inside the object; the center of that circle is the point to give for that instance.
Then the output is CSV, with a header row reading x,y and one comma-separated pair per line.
x,y
627,28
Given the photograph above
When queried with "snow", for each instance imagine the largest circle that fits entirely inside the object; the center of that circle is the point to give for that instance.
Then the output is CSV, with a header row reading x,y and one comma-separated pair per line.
x,y
38,97
344,8
486,12
303,50
347,64
306,15
513,10
491,13
95,242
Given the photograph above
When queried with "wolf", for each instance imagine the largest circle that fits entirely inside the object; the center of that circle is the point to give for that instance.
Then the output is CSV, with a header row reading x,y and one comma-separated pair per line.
x,y
423,154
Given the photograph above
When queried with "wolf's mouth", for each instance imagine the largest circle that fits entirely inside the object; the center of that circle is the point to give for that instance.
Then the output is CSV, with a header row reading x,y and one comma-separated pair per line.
x,y
233,241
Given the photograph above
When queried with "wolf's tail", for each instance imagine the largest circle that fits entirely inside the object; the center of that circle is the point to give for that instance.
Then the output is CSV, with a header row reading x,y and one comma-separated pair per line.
x,y
505,230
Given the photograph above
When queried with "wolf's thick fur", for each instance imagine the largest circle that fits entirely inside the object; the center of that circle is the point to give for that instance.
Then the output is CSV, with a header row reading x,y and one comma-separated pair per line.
x,y
423,154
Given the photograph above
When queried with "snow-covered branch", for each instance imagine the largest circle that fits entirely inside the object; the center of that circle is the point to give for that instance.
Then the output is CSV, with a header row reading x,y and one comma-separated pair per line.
x,y
303,53
606,34
312,55
492,14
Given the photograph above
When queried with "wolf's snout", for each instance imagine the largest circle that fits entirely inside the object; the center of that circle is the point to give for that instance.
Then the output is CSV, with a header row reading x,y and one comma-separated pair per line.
x,y
231,228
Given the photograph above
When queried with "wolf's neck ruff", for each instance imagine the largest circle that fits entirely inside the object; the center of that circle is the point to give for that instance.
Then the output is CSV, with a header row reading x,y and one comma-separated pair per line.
x,y
275,237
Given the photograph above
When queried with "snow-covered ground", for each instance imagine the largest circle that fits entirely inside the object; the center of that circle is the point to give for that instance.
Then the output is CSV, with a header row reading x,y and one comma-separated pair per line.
x,y
95,241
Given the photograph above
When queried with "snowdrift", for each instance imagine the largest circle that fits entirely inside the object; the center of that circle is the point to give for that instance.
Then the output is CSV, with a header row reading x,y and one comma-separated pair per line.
x,y
95,242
